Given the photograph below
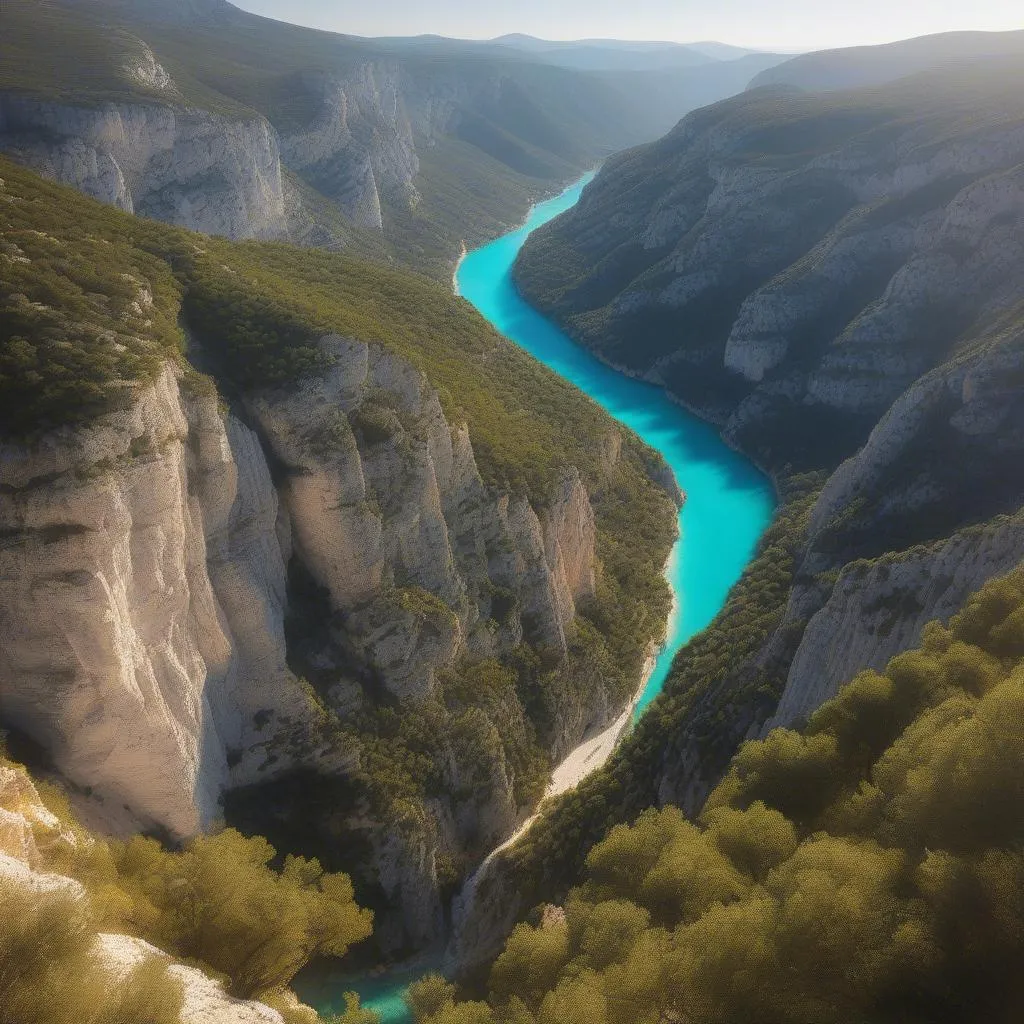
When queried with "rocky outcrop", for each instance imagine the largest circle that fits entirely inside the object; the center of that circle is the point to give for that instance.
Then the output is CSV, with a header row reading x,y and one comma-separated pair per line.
x,y
879,609
360,145
192,168
29,834
389,514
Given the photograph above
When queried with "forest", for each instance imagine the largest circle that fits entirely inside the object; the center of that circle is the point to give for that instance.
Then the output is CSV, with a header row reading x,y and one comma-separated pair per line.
x,y
866,867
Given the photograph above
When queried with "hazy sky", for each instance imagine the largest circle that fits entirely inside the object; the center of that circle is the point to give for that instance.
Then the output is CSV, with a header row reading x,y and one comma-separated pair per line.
x,y
779,24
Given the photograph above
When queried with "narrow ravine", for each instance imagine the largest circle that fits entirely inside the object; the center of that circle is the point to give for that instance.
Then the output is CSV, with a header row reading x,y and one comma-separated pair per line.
x,y
728,503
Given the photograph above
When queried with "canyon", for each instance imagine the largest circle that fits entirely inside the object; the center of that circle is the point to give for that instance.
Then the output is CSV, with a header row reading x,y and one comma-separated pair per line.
x,y
292,540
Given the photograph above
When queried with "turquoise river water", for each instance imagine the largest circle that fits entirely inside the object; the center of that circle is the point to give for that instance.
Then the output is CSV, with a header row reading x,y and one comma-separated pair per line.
x,y
728,502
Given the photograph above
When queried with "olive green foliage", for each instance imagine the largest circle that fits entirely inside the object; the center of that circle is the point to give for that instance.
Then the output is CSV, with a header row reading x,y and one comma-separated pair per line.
x,y
354,1013
869,868
51,972
81,319
294,1012
432,998
220,904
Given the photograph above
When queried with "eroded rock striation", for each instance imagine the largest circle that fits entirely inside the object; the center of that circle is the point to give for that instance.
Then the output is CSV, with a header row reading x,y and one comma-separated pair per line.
x,y
146,578
196,169
143,591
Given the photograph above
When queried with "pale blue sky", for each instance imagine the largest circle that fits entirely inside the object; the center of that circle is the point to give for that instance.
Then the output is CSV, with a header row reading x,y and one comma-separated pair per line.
x,y
778,24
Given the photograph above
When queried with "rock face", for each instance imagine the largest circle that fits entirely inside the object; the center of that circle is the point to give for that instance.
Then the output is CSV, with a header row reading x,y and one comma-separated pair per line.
x,y
142,592
163,158
144,588
878,609
420,566
388,512
191,168
360,145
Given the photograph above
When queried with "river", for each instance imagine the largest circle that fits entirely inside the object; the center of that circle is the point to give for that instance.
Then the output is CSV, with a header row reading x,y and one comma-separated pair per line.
x,y
728,502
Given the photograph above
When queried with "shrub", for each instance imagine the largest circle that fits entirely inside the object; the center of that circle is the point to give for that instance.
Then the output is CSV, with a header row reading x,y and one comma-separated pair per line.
x,y
220,904
50,970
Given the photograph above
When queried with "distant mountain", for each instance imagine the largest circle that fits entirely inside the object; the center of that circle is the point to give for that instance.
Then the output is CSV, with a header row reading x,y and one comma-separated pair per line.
x,y
623,54
875,65
600,57
721,51
527,42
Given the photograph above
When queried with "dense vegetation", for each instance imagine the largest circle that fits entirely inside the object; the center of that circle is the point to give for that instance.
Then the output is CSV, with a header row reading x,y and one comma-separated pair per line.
x,y
50,970
867,868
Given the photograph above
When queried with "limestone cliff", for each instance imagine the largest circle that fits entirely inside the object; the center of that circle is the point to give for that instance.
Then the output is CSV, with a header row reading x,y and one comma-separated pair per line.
x,y
360,145
420,568
222,172
144,590
385,504
192,168
794,263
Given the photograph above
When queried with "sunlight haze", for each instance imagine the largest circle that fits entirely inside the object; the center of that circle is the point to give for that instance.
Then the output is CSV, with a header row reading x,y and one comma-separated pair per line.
x,y
792,25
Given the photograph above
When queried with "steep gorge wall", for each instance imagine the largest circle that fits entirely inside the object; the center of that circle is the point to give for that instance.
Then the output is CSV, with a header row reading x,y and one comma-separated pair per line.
x,y
144,590
838,288
191,168
879,609
222,174
226,173
386,502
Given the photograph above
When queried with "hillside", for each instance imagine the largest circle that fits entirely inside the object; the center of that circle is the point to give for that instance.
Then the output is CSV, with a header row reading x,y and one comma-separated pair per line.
x,y
368,574
856,66
867,867
834,279
220,121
